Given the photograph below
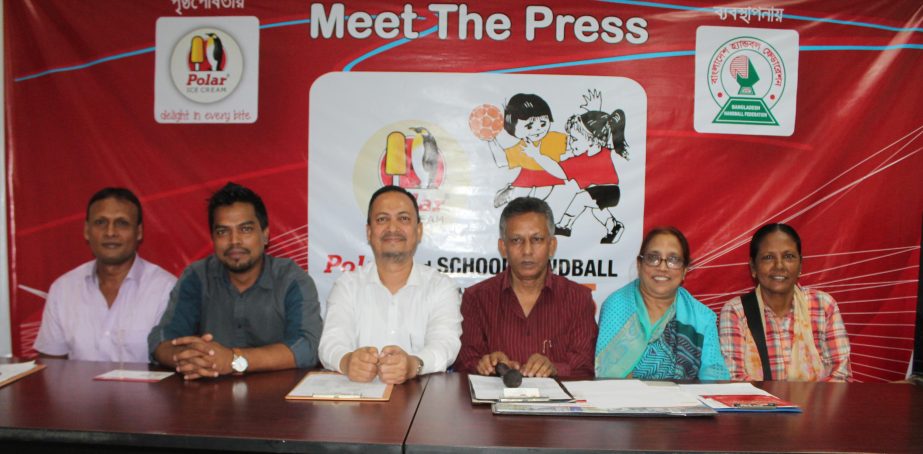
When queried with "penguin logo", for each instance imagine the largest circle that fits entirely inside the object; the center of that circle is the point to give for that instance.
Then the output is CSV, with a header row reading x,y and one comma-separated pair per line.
x,y
206,65
206,53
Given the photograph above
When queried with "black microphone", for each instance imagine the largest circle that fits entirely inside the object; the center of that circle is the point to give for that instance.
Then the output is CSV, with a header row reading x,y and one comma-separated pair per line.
x,y
512,378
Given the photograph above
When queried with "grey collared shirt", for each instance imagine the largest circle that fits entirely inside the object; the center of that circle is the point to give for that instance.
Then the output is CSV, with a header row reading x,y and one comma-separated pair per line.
x,y
281,307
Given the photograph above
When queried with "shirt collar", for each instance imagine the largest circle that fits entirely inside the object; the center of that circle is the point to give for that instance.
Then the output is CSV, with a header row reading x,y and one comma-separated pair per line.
x,y
134,273
264,281
415,278
507,276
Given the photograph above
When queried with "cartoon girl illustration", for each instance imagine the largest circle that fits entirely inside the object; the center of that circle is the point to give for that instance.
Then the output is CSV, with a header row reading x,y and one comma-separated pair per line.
x,y
594,139
528,118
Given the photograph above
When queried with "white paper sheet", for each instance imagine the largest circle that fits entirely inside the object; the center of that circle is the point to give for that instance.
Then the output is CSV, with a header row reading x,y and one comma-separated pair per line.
x,y
630,394
491,388
337,386
723,389
12,370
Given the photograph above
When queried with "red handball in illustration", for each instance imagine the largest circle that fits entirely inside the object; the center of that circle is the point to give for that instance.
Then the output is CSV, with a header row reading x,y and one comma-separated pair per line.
x,y
486,121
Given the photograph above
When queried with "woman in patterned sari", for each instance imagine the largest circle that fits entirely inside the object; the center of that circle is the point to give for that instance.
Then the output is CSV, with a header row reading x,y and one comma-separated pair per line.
x,y
653,328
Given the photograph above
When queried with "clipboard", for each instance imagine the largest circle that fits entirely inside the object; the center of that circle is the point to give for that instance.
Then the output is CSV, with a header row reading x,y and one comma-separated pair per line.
x,y
12,372
333,386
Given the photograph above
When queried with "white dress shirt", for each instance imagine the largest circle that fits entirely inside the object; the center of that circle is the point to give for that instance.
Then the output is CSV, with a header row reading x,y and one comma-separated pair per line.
x,y
78,322
423,317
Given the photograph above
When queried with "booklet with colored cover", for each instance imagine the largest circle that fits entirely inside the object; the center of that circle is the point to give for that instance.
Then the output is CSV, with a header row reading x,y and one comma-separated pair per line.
x,y
739,397
751,402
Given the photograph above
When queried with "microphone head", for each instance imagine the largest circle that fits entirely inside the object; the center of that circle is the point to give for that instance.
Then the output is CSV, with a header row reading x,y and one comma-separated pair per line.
x,y
512,379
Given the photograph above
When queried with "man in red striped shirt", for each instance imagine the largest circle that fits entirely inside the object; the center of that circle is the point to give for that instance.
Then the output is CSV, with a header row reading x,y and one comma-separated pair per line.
x,y
527,317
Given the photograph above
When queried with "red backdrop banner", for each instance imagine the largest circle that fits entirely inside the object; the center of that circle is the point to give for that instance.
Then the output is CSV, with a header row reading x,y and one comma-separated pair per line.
x,y
80,105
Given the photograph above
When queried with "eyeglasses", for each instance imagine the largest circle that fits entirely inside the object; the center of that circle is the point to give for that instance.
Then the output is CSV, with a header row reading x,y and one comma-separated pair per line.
x,y
652,260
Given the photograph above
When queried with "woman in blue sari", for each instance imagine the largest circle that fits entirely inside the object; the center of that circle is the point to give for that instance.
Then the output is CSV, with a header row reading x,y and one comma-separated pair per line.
x,y
653,328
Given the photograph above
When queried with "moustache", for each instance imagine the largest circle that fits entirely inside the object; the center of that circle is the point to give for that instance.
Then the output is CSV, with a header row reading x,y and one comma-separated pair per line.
x,y
239,250
393,236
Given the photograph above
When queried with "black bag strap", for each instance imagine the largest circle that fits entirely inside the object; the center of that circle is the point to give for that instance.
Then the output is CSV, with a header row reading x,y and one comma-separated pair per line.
x,y
755,323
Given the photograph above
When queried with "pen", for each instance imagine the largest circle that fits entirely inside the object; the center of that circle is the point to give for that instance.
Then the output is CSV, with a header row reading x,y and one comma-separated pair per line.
x,y
336,396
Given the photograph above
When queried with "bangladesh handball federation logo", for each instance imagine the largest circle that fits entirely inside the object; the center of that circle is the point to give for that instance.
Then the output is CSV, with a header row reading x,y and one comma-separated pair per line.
x,y
746,78
206,65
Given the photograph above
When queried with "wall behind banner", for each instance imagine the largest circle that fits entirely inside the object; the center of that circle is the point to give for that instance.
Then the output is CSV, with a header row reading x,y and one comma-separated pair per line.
x,y
80,115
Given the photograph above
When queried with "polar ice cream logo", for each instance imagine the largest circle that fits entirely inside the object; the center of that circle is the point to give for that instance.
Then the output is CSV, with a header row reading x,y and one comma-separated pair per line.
x,y
746,80
746,77
206,65
416,155
412,161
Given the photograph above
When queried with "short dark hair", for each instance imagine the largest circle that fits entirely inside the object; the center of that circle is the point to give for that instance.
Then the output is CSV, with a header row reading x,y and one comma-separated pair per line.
x,y
765,230
232,193
391,188
667,230
115,193
523,205
522,107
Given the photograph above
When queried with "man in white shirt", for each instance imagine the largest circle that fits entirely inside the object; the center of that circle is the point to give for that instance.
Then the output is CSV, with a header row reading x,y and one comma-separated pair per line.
x,y
104,309
393,319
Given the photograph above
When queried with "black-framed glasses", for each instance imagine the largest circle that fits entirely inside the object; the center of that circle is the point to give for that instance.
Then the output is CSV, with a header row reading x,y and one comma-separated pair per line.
x,y
652,260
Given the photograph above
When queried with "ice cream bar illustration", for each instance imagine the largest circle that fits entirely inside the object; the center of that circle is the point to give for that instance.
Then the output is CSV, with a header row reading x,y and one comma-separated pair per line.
x,y
197,52
395,156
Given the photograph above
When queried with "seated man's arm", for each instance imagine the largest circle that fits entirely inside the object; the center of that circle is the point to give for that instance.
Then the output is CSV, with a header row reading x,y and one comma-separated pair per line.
x,y
339,341
442,341
303,328
474,337
268,357
181,321
582,340
298,348
52,339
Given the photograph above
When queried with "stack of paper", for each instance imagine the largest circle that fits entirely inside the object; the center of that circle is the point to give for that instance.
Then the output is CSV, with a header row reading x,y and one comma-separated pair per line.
x,y
617,398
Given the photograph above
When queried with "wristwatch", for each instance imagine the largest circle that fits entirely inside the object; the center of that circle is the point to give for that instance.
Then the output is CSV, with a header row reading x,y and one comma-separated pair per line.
x,y
239,363
420,367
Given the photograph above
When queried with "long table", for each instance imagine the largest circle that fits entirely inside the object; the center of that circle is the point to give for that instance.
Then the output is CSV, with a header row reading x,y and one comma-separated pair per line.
x,y
63,408
854,417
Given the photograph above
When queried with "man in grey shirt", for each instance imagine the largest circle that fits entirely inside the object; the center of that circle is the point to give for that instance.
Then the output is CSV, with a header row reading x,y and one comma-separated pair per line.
x,y
238,310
